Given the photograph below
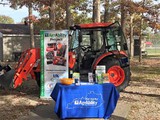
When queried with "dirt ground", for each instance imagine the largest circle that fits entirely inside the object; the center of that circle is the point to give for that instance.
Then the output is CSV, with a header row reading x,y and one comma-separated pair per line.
x,y
144,91
143,94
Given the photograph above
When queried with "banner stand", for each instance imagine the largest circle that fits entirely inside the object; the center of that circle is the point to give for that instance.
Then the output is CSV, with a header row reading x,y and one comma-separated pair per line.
x,y
54,59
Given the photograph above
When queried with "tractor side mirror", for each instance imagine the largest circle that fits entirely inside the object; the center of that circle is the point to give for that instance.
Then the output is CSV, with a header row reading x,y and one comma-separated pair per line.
x,y
125,46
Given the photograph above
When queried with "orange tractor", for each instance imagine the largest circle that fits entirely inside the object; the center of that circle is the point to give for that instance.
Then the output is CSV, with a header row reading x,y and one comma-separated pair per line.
x,y
90,45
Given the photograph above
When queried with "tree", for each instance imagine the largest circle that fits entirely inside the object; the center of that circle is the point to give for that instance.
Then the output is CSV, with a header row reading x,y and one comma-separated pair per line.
x,y
141,13
68,12
31,25
106,10
77,12
96,11
28,3
52,14
96,18
123,15
6,19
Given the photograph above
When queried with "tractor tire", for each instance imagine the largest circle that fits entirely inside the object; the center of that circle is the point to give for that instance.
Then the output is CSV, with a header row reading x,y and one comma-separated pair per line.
x,y
119,76
37,74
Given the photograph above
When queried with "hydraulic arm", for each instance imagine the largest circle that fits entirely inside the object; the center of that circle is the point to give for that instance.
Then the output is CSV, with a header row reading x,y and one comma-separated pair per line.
x,y
29,63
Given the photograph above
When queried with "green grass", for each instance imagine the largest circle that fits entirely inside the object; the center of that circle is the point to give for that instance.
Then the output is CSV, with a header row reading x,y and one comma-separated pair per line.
x,y
153,55
153,51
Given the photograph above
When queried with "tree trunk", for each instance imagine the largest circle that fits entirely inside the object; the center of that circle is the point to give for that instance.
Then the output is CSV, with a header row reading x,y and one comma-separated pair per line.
x,y
31,27
96,18
140,41
106,10
96,11
131,37
123,16
52,19
140,38
68,15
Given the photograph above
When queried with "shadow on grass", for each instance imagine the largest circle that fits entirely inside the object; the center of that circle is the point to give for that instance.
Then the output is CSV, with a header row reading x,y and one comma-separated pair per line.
x,y
114,117
19,92
27,88
144,94
128,99
145,82
146,70
15,112
137,78
45,112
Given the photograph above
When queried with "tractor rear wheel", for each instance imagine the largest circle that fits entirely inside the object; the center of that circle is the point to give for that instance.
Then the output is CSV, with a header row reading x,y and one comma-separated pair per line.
x,y
117,75
37,74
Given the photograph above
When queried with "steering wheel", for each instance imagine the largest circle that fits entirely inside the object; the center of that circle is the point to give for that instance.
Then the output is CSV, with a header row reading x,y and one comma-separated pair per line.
x,y
85,47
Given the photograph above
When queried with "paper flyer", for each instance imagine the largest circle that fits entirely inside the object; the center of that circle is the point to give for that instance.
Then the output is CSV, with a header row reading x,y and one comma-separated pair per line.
x,y
54,59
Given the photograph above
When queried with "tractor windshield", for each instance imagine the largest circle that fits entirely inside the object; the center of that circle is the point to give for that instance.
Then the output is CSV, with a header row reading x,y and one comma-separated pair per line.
x,y
96,39
73,41
86,38
114,41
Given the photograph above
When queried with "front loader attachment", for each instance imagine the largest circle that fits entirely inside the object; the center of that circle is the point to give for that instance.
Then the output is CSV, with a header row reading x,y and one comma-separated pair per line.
x,y
6,80
28,64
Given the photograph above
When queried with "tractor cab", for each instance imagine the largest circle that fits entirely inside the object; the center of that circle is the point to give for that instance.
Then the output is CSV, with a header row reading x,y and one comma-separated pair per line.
x,y
94,44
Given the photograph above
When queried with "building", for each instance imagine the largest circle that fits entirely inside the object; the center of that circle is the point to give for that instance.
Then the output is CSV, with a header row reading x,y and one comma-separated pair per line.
x,y
137,46
14,39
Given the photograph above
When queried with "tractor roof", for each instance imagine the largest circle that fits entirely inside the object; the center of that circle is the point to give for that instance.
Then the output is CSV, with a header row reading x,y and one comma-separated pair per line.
x,y
92,25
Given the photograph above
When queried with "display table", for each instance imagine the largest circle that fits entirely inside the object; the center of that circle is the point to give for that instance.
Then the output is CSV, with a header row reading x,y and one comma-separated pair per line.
x,y
85,101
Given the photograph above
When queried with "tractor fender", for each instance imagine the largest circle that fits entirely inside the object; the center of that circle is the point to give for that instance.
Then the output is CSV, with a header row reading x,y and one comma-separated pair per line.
x,y
110,53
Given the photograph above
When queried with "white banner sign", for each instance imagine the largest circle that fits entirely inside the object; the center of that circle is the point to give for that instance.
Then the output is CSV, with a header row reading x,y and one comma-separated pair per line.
x,y
54,59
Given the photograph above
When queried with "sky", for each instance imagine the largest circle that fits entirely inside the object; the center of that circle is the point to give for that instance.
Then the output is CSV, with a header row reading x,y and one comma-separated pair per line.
x,y
16,15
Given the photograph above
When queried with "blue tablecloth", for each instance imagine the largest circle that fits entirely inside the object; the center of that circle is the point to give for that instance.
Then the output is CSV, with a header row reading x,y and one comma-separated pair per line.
x,y
85,101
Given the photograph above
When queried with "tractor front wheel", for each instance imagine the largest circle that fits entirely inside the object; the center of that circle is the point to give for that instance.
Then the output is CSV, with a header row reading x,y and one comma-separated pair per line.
x,y
117,75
